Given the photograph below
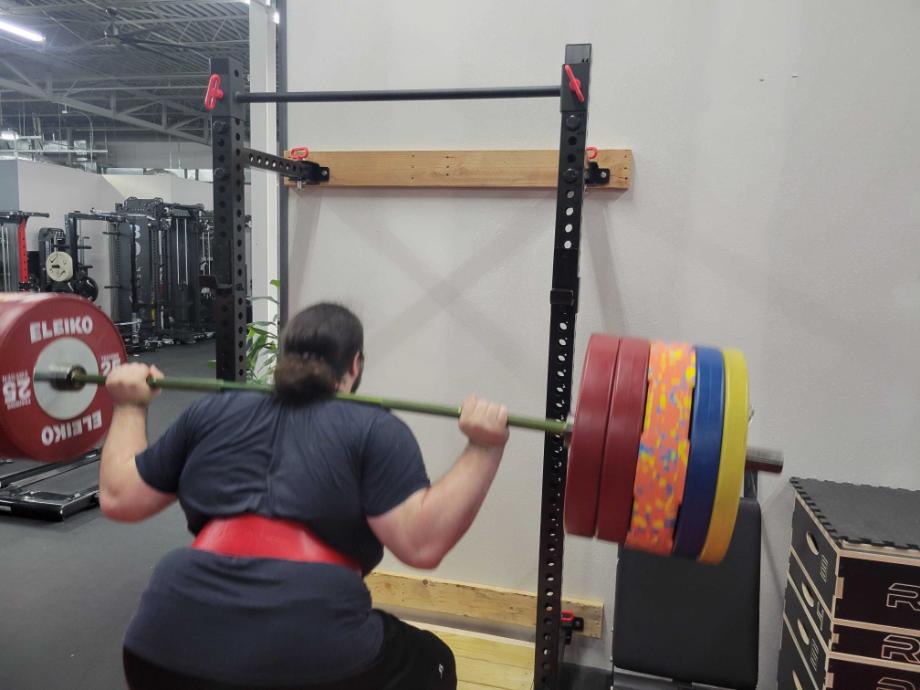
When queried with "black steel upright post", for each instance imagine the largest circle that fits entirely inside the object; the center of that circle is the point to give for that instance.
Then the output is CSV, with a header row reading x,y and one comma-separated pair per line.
x,y
563,310
229,240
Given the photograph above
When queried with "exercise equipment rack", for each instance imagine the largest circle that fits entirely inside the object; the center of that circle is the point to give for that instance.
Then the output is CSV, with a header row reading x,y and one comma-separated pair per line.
x,y
18,258
226,98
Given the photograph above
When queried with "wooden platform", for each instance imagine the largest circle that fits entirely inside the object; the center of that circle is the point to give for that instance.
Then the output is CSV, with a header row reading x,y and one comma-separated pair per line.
x,y
486,662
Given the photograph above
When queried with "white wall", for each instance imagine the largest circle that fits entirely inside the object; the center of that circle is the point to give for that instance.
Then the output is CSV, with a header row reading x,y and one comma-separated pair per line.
x,y
774,208
59,190
165,186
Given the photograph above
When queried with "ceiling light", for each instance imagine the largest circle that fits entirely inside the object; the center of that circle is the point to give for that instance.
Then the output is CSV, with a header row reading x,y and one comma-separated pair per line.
x,y
22,32
8,135
277,17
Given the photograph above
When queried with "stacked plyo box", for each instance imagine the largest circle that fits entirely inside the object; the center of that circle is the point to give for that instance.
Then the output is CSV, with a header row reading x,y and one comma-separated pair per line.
x,y
851,619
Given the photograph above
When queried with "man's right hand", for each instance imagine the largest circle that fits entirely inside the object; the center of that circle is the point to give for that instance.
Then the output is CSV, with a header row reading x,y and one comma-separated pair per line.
x,y
484,423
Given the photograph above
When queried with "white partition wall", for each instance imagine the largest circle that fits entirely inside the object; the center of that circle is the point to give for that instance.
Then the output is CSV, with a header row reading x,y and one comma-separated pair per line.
x,y
773,208
58,190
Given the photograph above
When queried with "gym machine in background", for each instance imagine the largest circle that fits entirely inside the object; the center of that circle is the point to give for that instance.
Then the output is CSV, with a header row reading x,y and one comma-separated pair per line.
x,y
62,263
163,272
124,246
15,275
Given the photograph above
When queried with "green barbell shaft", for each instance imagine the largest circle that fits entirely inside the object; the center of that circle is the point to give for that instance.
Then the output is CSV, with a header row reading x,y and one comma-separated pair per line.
x,y
77,377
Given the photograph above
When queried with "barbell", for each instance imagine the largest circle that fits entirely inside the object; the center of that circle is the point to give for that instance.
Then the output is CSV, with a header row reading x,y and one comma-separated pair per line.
x,y
657,448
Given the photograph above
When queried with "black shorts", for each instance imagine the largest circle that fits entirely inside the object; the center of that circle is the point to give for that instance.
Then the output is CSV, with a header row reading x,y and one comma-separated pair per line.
x,y
410,659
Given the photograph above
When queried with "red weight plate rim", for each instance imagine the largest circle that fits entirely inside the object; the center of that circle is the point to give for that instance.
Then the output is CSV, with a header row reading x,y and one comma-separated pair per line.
x,y
586,446
11,305
621,449
26,328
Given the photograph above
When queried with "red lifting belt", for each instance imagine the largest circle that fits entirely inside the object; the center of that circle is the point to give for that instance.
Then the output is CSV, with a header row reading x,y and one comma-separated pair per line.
x,y
255,536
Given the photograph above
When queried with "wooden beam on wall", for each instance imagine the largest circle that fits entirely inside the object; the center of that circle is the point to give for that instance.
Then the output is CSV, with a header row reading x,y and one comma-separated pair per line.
x,y
473,601
535,169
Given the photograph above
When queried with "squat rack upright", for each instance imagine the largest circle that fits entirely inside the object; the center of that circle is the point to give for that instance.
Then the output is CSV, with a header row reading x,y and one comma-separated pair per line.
x,y
226,98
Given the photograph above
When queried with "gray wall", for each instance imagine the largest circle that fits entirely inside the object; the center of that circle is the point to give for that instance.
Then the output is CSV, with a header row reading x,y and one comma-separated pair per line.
x,y
774,208
9,186
157,154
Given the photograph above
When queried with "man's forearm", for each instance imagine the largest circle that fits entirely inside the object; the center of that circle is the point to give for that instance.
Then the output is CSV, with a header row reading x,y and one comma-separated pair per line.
x,y
449,507
127,437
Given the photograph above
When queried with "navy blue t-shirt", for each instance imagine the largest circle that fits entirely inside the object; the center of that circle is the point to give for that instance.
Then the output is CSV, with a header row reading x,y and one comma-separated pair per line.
x,y
329,465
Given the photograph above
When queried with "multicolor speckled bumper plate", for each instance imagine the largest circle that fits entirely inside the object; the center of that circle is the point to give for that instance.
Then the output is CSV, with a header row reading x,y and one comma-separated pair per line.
x,y
664,448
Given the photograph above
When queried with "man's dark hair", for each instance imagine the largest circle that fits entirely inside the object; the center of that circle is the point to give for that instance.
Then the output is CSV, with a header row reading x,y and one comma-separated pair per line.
x,y
318,346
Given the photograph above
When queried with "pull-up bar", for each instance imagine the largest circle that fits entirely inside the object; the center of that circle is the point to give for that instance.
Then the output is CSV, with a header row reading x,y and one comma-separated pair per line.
x,y
215,93
400,95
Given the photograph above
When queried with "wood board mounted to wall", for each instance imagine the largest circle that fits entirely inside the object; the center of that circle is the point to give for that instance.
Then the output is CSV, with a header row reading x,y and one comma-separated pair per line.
x,y
474,601
535,169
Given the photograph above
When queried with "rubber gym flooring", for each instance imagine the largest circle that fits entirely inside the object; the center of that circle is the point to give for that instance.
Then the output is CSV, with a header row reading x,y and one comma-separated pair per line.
x,y
70,588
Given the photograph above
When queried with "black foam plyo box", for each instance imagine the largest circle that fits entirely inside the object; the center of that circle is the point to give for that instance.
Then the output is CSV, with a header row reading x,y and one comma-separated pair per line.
x,y
807,635
848,674
872,643
859,514
858,547
816,610
793,672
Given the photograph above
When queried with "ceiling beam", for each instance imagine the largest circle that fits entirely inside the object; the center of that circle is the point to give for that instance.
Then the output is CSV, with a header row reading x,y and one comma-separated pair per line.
x,y
183,21
144,77
53,62
182,87
122,4
136,108
12,68
186,123
97,110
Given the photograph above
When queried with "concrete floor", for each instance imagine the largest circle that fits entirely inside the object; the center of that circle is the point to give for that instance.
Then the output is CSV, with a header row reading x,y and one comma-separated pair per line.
x,y
70,588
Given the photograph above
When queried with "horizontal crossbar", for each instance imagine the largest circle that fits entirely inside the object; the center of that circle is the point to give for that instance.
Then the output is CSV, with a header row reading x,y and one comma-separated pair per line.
x,y
400,95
